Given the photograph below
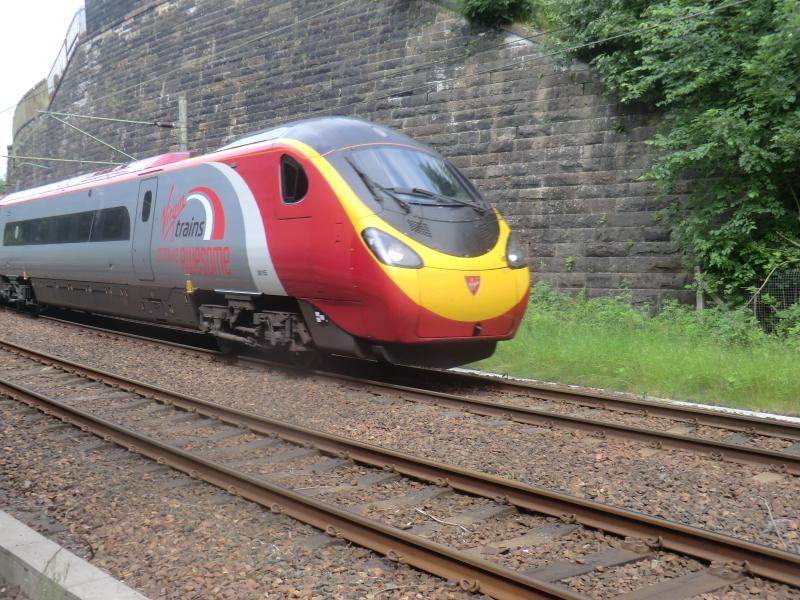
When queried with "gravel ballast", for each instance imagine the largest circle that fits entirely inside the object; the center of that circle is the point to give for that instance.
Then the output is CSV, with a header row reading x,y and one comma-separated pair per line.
x,y
169,536
678,485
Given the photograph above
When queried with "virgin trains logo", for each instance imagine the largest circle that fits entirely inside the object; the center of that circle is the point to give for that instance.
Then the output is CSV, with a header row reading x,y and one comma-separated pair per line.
x,y
208,224
473,283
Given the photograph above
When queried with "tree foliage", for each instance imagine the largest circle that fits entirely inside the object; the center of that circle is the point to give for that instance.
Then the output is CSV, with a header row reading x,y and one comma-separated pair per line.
x,y
726,76
494,12
2,186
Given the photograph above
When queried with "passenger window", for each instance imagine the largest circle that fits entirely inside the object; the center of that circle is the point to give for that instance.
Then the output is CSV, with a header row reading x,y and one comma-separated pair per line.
x,y
146,205
11,235
111,225
80,226
294,181
61,229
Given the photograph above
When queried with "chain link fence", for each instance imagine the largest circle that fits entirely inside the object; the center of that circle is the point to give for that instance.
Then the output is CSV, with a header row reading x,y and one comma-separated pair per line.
x,y
779,293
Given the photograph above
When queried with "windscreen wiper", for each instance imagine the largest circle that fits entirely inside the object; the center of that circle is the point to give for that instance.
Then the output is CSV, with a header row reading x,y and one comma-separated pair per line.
x,y
448,199
373,185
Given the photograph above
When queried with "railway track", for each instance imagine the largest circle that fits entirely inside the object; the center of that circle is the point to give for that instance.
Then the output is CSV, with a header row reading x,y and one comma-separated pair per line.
x,y
676,433
558,394
358,491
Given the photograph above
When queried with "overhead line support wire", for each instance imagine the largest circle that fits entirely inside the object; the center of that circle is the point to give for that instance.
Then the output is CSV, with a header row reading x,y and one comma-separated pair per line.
x,y
26,163
163,124
70,160
86,133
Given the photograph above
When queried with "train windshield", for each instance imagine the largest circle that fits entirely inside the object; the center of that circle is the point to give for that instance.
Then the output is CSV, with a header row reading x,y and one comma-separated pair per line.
x,y
419,177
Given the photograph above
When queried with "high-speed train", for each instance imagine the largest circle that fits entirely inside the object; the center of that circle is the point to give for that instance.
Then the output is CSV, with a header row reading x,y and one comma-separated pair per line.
x,y
332,234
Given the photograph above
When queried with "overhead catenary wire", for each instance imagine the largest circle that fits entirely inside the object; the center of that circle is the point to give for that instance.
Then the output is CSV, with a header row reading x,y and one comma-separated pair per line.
x,y
69,160
25,159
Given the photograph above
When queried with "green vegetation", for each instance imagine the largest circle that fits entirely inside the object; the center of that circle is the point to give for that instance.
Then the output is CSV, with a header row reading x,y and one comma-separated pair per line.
x,y
725,75
713,356
495,12
2,186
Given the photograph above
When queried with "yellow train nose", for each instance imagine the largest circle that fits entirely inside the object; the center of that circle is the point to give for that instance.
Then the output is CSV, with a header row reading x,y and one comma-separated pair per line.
x,y
476,302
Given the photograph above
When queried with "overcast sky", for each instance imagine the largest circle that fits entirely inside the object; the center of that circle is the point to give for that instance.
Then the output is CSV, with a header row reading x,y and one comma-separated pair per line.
x,y
31,33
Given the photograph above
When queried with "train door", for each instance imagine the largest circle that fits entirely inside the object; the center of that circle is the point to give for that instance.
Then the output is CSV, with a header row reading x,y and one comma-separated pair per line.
x,y
293,208
143,229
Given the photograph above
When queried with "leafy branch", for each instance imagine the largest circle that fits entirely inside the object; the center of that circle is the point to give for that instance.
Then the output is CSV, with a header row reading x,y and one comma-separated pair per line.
x,y
726,79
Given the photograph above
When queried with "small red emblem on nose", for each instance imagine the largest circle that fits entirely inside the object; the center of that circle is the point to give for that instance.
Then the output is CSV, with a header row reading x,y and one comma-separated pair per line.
x,y
473,283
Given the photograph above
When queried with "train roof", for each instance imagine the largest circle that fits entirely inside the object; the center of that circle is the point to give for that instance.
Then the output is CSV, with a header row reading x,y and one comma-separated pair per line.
x,y
96,176
325,134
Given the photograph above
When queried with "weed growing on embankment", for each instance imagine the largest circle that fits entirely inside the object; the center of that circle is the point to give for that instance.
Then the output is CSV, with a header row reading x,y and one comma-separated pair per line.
x,y
713,356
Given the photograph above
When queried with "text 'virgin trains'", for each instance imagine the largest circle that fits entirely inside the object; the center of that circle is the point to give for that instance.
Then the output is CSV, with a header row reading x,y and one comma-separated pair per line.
x,y
329,233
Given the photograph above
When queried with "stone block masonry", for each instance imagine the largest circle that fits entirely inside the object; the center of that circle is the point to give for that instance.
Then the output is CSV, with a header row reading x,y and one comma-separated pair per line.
x,y
538,136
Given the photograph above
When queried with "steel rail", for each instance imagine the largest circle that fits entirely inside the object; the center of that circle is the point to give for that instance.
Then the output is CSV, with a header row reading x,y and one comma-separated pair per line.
x,y
472,573
761,560
144,338
693,415
608,401
782,461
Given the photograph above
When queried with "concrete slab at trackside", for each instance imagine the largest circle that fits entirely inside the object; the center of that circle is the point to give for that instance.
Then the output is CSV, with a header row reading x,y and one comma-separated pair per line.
x,y
43,569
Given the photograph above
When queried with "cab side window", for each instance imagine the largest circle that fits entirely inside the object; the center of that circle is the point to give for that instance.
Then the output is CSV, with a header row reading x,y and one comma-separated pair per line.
x,y
146,205
294,181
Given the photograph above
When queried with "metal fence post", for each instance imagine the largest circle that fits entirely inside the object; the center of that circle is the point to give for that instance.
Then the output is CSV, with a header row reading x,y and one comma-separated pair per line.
x,y
700,298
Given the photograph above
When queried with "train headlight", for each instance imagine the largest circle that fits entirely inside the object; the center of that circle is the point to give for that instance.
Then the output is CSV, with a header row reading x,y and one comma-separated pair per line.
x,y
515,257
389,250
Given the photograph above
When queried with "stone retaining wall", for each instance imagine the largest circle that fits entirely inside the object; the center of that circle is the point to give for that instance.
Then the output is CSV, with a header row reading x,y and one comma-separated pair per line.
x,y
539,137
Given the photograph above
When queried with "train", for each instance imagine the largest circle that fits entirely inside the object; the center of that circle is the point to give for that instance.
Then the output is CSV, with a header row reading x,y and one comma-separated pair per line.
x,y
329,235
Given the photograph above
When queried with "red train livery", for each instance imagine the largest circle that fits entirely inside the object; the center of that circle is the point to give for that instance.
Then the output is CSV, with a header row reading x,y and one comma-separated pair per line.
x,y
332,234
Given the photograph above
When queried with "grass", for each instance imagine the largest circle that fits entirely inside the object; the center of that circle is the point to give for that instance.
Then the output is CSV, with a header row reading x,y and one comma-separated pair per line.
x,y
713,357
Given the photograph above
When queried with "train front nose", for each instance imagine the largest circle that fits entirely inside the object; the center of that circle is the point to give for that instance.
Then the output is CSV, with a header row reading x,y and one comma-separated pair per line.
x,y
456,303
